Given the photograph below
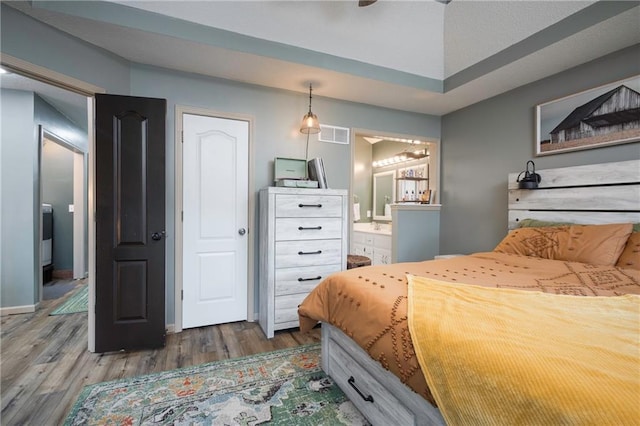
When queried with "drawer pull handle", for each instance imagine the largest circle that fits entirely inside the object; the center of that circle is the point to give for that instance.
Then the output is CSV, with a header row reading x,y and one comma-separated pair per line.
x,y
309,252
310,279
310,205
352,381
309,228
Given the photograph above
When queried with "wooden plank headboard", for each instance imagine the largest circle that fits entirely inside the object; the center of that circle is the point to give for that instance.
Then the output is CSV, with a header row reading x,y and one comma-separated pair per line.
x,y
596,193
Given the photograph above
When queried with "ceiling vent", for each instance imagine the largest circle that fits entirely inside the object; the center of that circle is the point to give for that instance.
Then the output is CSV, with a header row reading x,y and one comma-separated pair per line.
x,y
333,134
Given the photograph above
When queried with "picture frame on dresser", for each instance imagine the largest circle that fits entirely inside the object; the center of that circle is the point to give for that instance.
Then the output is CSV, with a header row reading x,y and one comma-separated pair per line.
x,y
602,116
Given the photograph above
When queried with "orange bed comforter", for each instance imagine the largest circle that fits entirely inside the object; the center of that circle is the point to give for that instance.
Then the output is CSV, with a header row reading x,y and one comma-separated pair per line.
x,y
370,304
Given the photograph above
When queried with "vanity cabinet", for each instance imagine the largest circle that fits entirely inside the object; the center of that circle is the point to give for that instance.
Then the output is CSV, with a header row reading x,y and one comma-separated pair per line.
x,y
303,239
375,246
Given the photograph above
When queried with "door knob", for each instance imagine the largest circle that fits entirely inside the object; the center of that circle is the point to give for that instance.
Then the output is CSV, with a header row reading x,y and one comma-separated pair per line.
x,y
157,236
242,231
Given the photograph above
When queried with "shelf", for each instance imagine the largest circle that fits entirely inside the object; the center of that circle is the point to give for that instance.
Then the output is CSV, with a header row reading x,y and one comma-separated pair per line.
x,y
412,178
412,202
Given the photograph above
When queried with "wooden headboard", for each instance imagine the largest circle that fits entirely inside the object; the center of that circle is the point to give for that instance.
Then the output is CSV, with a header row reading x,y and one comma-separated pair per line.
x,y
595,193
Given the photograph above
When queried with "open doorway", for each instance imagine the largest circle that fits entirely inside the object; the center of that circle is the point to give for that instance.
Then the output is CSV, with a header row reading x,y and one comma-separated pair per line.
x,y
391,174
63,183
62,117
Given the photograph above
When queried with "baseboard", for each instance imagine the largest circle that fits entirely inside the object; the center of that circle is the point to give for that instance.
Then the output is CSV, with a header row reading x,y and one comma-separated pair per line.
x,y
63,274
170,328
11,310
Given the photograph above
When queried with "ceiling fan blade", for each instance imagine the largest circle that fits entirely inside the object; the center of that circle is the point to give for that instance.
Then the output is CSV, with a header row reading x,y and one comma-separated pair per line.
x,y
363,3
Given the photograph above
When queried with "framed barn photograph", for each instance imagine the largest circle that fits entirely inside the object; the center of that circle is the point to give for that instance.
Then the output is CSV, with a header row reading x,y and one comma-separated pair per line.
x,y
606,115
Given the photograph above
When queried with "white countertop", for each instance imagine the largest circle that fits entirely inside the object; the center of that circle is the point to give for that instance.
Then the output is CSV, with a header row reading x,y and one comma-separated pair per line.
x,y
385,228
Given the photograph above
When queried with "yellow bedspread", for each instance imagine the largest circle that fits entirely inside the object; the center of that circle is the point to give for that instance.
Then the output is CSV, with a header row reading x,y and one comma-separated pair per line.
x,y
506,357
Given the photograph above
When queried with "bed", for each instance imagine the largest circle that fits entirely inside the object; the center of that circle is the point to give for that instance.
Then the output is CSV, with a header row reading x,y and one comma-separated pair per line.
x,y
369,320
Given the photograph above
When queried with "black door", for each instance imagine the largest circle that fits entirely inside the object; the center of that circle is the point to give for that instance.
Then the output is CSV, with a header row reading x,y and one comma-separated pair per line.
x,y
130,222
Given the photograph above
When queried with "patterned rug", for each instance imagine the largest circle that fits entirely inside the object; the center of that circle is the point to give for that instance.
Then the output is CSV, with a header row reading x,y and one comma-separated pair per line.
x,y
285,387
78,302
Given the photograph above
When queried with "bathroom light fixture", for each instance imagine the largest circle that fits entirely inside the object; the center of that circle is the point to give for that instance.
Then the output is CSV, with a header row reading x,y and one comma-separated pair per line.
x,y
310,123
401,157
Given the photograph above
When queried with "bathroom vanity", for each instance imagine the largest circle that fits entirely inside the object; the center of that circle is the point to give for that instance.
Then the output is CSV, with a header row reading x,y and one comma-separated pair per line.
x,y
372,241
412,235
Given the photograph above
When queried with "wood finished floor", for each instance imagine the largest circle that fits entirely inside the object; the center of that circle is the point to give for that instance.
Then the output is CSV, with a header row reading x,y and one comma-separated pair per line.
x,y
44,360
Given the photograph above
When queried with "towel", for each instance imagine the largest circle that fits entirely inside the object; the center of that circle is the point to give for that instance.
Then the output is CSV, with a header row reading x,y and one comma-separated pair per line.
x,y
387,210
356,212
501,356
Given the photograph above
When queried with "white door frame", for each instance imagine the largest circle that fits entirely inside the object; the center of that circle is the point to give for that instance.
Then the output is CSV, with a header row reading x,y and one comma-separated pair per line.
x,y
180,111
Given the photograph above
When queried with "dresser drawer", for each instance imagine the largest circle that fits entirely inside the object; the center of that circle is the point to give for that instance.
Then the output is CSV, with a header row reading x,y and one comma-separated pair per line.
x,y
312,228
286,309
379,402
302,280
290,254
308,205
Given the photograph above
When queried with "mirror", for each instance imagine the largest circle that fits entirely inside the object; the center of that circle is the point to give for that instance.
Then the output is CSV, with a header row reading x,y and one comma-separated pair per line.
x,y
377,154
384,194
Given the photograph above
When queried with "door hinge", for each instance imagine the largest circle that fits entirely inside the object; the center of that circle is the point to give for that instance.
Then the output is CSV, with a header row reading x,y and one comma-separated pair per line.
x,y
182,136
182,215
181,294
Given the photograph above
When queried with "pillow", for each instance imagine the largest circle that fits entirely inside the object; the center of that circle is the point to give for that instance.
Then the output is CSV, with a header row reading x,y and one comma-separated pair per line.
x,y
630,257
595,244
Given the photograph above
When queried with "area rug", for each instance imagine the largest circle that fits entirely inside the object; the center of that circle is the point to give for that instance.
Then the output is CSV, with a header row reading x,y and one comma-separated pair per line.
x,y
77,303
285,387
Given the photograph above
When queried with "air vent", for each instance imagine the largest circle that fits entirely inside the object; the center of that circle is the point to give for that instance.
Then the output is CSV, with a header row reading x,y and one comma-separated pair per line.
x,y
333,134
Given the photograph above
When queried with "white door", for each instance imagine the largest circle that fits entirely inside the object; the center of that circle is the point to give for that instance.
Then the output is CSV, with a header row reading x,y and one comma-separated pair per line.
x,y
215,209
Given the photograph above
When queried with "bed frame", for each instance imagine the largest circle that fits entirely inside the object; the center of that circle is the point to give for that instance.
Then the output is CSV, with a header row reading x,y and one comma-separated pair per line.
x,y
598,193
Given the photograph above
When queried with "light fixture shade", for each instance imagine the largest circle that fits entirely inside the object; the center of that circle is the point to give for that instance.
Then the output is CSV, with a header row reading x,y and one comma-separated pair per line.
x,y
310,124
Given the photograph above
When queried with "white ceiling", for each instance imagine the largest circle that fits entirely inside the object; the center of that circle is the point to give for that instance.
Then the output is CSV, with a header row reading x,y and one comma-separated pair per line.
x,y
388,54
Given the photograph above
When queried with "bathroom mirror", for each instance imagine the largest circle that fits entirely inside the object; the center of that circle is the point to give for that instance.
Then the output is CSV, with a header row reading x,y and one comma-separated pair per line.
x,y
384,194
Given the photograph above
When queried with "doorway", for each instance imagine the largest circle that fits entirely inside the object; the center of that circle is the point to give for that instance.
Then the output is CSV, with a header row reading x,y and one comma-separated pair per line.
x,y
388,169
68,88
64,197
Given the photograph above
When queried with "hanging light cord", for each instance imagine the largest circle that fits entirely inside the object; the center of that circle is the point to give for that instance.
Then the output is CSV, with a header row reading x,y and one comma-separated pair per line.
x,y
306,152
306,159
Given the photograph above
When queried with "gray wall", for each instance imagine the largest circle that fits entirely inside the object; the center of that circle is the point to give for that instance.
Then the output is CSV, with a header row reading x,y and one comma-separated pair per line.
x,y
73,134
276,115
34,42
363,177
19,149
484,142
57,190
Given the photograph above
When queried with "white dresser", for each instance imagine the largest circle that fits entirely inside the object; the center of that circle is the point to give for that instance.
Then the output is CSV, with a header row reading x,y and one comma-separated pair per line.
x,y
303,239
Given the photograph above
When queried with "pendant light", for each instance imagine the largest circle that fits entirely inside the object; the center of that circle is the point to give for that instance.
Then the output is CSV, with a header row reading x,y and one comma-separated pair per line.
x,y
310,123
